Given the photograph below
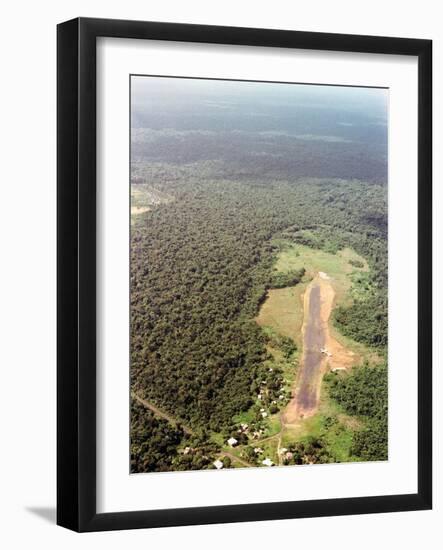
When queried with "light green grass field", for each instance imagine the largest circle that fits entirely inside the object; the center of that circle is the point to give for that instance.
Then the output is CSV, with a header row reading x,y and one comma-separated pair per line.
x,y
336,266
283,308
331,424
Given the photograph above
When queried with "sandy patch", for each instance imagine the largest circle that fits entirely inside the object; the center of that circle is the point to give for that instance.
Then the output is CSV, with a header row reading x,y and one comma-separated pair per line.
x,y
340,358
139,210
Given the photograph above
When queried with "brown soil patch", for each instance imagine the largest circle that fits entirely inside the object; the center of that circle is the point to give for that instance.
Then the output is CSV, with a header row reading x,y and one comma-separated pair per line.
x,y
340,358
350,421
318,303
139,210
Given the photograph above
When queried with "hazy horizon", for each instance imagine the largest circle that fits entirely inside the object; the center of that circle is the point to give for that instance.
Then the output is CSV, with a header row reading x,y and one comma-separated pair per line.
x,y
240,120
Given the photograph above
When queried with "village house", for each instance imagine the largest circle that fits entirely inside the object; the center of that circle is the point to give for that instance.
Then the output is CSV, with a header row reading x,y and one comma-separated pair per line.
x,y
218,464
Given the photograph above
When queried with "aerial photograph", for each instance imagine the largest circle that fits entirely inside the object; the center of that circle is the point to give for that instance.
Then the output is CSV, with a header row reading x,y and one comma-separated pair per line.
x,y
258,274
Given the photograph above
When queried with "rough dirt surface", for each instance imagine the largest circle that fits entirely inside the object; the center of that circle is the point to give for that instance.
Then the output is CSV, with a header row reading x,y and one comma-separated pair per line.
x,y
139,210
318,302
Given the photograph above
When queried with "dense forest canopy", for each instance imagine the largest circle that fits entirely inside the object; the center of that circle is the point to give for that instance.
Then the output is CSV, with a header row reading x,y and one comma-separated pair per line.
x,y
229,178
365,394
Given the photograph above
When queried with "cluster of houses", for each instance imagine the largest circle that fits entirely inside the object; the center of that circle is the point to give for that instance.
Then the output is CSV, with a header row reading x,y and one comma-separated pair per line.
x,y
285,453
258,432
267,461
233,442
219,464
262,392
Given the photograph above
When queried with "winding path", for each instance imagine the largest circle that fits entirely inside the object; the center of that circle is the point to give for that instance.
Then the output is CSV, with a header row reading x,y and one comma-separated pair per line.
x,y
161,414
185,428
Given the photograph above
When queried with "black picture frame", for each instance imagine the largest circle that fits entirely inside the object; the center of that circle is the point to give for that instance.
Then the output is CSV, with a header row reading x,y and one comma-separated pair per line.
x,y
76,279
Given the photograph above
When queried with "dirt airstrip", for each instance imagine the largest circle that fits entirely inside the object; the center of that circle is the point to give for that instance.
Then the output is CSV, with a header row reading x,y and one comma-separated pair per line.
x,y
321,352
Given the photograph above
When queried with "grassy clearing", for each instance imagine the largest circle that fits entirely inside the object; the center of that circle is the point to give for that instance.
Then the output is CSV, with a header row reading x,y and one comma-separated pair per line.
x,y
219,439
270,450
337,266
245,417
139,196
336,428
330,424
283,308
143,198
283,311
274,426
289,366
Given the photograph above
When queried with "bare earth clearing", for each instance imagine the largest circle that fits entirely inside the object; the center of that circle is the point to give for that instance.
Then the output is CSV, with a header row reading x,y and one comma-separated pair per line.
x,y
144,197
139,210
320,351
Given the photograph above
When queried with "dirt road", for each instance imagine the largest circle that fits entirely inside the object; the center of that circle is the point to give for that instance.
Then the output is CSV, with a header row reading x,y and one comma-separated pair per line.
x,y
186,429
160,413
